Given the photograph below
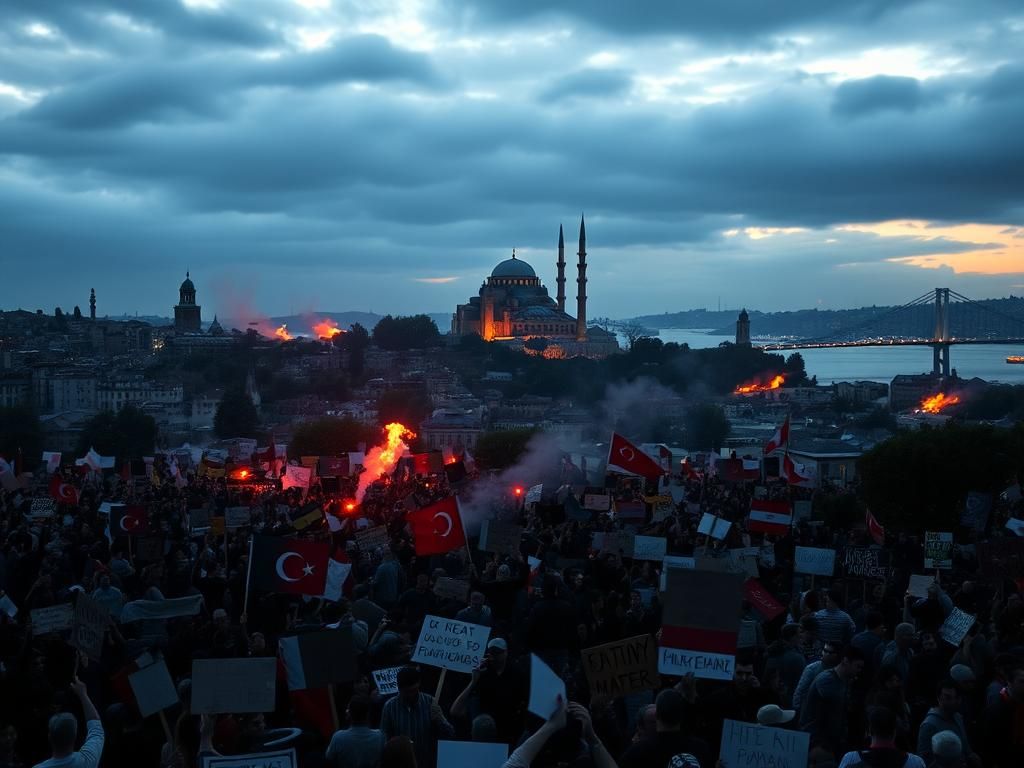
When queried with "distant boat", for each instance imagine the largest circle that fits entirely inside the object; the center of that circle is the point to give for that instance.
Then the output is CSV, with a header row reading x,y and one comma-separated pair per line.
x,y
1015,359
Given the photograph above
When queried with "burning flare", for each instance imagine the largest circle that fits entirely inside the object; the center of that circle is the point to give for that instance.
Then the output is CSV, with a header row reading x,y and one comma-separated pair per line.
x,y
326,329
381,459
282,333
775,383
938,402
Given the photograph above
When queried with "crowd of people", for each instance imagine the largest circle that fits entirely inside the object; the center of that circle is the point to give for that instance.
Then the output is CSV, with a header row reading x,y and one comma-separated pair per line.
x,y
858,664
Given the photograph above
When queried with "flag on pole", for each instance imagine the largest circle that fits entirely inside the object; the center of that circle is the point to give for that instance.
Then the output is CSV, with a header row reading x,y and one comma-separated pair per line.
x,y
773,517
438,528
65,493
779,440
129,520
802,475
874,528
290,566
625,458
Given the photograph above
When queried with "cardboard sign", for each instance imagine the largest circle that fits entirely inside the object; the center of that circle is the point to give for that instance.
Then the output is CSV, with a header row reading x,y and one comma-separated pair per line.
x,y
199,519
956,626
503,538
281,758
41,509
149,549
712,526
597,502
90,624
233,685
762,600
748,744
451,644
625,666
545,688
938,550
452,589
534,495
386,680
479,754
919,584
866,562
649,548
373,538
237,517
976,511
816,561
153,688
56,618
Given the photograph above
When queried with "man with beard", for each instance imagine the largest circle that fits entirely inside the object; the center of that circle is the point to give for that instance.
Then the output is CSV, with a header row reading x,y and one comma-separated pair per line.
x,y
739,700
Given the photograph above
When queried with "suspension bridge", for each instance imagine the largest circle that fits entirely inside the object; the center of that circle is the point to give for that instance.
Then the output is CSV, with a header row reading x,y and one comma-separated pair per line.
x,y
939,319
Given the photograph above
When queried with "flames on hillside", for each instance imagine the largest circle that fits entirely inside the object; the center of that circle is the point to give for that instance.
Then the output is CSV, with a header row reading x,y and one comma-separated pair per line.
x,y
761,386
282,333
326,329
939,402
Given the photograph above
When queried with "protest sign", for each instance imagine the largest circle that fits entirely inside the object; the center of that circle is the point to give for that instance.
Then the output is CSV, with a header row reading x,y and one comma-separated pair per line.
x,y
451,644
545,688
233,685
866,562
938,550
534,495
663,510
199,519
713,526
919,584
452,589
956,626
479,754
625,666
976,511
816,561
373,538
503,538
597,502
149,549
56,618
649,548
237,517
386,680
745,559
762,600
279,758
90,624
700,623
153,688
41,509
748,744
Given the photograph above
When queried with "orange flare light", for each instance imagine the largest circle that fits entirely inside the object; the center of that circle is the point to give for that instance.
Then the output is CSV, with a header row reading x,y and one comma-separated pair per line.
x,y
938,402
349,506
326,329
381,459
775,383
282,333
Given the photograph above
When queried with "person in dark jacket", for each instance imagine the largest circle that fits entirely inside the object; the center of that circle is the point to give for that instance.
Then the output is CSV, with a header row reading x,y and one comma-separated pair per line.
x,y
824,713
670,743
786,660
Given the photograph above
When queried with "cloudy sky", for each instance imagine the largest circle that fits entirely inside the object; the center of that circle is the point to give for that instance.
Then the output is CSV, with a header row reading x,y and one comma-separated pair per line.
x,y
333,155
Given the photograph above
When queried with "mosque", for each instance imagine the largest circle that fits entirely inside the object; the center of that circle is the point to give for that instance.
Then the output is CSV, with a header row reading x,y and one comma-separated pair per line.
x,y
513,305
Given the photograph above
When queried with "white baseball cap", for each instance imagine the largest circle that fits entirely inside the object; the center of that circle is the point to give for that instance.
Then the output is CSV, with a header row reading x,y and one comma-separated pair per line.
x,y
773,714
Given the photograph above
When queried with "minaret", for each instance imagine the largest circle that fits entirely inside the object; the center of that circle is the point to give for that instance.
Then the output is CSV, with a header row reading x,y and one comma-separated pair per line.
x,y
743,329
92,303
581,286
561,270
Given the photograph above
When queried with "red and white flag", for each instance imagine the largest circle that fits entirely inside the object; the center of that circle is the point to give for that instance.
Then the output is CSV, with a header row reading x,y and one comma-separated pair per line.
x,y
802,475
62,492
700,623
779,440
52,459
874,528
625,458
772,517
438,528
291,566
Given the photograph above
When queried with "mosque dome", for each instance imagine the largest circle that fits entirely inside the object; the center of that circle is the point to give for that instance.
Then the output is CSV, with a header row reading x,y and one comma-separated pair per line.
x,y
513,268
187,285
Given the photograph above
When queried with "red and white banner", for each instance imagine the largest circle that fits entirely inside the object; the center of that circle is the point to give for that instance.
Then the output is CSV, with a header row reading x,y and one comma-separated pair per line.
x,y
779,440
627,459
772,517
802,475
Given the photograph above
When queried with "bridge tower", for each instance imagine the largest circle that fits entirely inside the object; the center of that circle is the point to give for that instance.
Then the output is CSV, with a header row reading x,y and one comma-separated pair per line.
x,y
940,345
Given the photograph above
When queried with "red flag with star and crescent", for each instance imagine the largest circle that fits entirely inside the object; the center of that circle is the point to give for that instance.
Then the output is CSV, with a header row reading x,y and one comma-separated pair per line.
x,y
626,458
438,528
63,492
130,520
292,566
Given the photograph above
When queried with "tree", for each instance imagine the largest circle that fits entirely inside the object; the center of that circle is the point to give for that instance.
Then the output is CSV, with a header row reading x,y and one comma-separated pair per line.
x,y
20,432
706,427
398,333
355,343
127,434
329,436
236,415
501,449
633,331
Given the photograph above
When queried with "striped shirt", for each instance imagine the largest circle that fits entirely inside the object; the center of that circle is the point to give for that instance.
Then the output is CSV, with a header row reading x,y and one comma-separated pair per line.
x,y
398,719
834,626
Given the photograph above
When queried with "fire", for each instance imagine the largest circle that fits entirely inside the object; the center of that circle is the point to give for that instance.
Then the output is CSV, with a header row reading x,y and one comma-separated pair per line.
x,y
326,329
938,402
517,490
282,333
349,506
381,459
775,383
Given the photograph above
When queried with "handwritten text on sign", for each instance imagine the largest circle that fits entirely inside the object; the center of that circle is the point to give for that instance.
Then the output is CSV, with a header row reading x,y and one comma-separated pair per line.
x,y
450,644
956,626
815,561
938,550
746,744
622,667
712,666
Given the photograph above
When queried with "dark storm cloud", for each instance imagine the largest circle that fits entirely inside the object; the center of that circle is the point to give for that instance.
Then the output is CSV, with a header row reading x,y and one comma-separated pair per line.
x,y
877,94
588,83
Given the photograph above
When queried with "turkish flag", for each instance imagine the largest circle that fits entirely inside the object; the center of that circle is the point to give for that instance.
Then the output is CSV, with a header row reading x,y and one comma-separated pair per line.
x,y
289,565
626,458
129,520
65,493
779,440
438,528
874,528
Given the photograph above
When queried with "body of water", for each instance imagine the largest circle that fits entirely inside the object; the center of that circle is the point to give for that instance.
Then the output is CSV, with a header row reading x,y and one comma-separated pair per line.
x,y
986,361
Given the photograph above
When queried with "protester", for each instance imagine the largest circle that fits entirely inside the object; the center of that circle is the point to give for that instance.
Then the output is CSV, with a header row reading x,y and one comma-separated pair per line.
x,y
359,746
882,752
64,733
